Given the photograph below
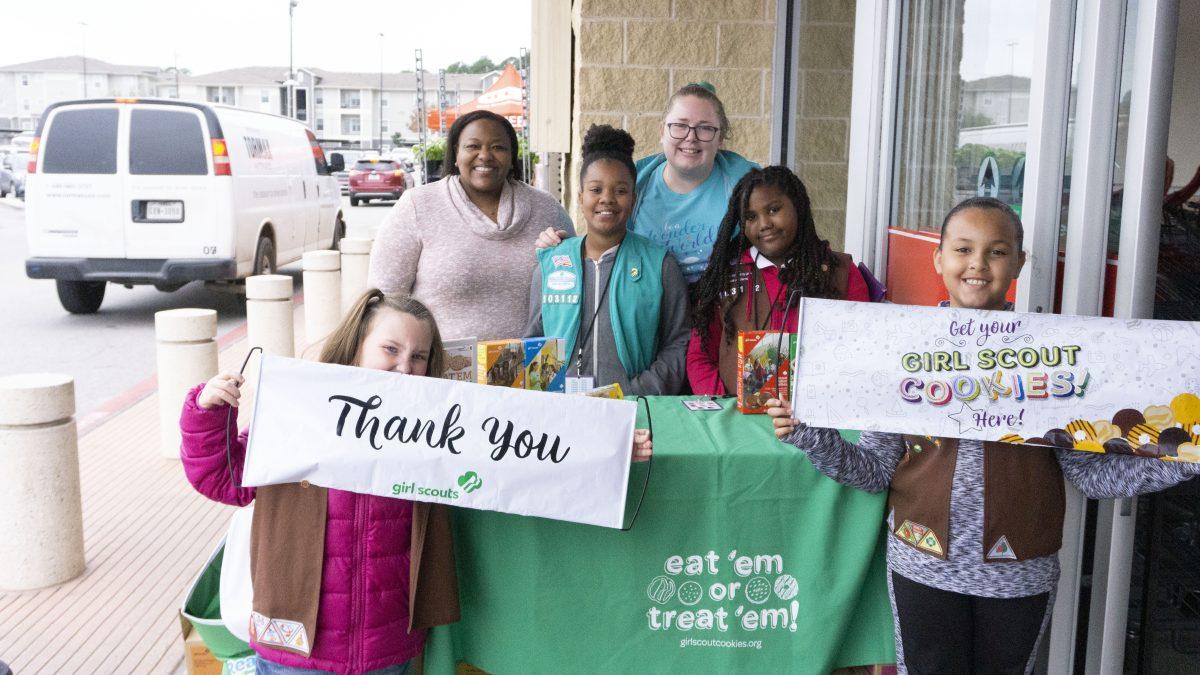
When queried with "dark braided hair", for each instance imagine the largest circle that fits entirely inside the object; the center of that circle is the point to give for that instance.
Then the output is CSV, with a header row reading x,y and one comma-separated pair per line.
x,y
811,264
603,141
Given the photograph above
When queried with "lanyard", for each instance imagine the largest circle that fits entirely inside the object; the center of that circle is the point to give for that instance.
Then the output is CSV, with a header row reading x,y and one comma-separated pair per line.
x,y
584,335
766,323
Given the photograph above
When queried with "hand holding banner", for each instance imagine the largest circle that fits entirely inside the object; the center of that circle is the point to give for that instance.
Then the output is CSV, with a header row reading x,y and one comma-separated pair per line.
x,y
435,440
1088,383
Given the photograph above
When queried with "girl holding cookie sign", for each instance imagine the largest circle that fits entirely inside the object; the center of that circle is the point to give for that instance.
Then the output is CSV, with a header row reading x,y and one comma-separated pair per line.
x,y
767,252
975,526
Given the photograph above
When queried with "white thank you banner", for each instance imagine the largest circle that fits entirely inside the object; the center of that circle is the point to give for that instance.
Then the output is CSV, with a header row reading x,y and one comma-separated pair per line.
x,y
1088,383
435,440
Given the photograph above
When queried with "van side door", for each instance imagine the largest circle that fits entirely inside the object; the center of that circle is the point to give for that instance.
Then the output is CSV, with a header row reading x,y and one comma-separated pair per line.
x,y
77,208
171,206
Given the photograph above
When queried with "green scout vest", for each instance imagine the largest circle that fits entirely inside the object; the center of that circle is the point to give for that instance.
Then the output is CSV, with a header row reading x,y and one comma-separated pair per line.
x,y
634,297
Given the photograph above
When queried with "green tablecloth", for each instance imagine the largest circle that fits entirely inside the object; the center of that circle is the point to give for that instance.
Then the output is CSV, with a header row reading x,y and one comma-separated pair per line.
x,y
728,509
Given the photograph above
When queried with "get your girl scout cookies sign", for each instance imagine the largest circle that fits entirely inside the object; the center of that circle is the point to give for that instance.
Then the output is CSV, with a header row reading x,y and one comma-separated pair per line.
x,y
435,440
1088,383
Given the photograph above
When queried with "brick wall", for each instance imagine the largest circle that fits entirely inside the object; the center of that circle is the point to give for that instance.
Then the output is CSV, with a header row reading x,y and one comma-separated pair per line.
x,y
631,55
823,102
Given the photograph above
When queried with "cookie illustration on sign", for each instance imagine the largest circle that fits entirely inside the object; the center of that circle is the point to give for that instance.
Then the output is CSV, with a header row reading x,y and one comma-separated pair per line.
x,y
690,592
470,481
758,590
661,589
786,587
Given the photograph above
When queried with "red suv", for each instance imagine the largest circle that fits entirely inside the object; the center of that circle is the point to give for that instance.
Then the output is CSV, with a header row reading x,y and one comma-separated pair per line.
x,y
375,179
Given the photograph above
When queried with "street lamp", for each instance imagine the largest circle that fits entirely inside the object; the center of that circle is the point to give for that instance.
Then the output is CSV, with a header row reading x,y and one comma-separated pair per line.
x,y
291,69
380,93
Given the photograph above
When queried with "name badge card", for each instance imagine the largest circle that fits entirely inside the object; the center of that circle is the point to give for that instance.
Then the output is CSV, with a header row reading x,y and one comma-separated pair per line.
x,y
1088,383
434,440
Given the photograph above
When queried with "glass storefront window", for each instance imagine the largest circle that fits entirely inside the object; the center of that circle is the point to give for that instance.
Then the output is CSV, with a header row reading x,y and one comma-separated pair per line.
x,y
962,125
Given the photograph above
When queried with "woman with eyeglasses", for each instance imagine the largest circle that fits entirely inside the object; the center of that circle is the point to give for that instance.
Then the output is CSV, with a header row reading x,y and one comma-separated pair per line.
x,y
683,191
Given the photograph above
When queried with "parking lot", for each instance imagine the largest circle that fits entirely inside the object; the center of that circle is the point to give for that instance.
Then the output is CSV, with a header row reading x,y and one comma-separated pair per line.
x,y
112,351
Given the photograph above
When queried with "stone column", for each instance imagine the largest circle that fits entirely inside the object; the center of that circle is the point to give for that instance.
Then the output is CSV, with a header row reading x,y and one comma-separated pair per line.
x,y
41,520
187,356
356,262
322,294
269,315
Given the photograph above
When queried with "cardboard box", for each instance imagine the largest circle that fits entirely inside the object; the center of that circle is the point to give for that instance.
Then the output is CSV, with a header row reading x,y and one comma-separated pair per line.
x,y
460,360
502,363
545,364
197,659
764,366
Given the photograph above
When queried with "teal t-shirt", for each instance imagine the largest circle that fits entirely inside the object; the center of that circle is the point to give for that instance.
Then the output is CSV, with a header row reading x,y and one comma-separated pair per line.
x,y
685,224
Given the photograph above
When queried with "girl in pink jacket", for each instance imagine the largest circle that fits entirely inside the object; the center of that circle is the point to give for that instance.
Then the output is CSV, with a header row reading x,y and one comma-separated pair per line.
x,y
364,609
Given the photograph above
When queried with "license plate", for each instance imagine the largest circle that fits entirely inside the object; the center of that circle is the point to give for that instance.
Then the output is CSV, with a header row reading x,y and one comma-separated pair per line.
x,y
165,211
374,176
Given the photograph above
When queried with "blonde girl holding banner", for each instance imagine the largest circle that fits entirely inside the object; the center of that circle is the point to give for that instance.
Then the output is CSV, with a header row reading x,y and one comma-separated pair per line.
x,y
973,553
316,551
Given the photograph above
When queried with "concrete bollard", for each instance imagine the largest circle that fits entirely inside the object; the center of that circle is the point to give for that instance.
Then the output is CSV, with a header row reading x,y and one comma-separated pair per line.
x,y
41,519
356,263
322,294
269,316
187,356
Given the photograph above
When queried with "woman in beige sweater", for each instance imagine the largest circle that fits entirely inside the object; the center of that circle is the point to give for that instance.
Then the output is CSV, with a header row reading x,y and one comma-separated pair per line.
x,y
464,244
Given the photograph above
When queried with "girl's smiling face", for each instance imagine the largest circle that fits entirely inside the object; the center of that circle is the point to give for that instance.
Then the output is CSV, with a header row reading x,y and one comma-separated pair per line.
x,y
396,342
770,222
979,258
606,197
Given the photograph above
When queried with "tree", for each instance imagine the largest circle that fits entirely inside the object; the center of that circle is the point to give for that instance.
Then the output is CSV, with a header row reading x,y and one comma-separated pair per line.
x,y
397,139
481,65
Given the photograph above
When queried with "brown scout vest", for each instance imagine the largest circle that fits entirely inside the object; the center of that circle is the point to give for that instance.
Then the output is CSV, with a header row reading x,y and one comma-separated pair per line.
x,y
747,275
1023,499
288,535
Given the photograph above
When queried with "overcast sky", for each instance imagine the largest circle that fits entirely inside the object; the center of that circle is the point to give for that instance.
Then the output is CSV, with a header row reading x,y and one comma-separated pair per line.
x,y
208,35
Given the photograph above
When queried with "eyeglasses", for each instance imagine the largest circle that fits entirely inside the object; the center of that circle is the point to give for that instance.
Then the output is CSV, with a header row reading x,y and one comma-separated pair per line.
x,y
679,131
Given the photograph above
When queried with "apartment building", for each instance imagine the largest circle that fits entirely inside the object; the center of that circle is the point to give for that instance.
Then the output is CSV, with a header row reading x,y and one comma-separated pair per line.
x,y
343,108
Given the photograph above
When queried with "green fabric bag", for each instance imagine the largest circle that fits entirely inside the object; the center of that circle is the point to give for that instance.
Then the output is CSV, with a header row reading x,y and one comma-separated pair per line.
x,y
202,609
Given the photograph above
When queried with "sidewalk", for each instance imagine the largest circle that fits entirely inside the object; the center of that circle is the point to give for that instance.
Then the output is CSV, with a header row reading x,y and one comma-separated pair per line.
x,y
146,535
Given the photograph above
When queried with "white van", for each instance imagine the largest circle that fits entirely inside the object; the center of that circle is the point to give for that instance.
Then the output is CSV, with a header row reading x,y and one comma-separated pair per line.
x,y
164,192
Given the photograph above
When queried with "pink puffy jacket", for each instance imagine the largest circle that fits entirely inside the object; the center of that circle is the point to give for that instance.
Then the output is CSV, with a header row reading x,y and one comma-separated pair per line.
x,y
362,622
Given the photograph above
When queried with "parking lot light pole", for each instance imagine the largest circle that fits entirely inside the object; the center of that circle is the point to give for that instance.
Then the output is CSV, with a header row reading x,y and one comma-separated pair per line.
x,y
291,91
380,93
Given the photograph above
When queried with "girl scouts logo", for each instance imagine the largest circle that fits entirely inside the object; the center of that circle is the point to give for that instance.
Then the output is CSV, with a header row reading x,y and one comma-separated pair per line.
x,y
561,280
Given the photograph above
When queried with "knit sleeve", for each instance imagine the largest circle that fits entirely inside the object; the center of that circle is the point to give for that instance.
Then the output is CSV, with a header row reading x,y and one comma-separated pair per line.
x,y
533,326
1109,476
869,465
396,255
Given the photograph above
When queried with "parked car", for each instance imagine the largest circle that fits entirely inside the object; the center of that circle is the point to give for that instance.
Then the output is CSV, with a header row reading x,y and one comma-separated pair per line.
x,y
8,178
17,164
376,178
164,192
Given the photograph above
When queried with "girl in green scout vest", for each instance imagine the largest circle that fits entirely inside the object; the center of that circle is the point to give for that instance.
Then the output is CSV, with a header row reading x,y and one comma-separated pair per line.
x,y
618,299
975,526
767,248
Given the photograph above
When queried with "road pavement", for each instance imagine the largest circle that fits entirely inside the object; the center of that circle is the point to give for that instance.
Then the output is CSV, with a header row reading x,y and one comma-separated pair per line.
x,y
113,350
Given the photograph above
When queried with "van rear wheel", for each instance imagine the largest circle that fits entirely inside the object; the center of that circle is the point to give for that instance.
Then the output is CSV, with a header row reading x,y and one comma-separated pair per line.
x,y
264,257
339,233
80,297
